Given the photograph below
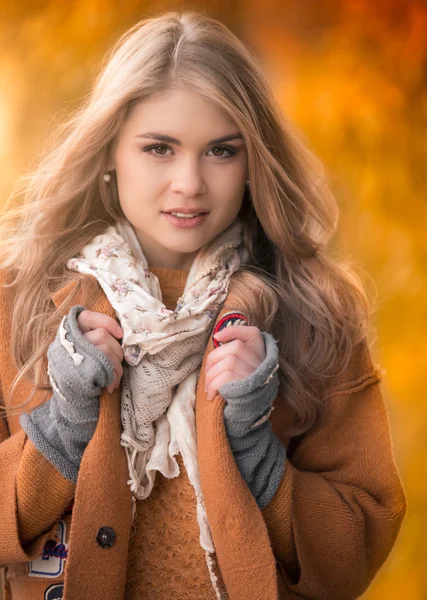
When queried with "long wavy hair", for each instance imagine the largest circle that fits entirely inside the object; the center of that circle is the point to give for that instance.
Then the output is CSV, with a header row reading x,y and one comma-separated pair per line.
x,y
313,302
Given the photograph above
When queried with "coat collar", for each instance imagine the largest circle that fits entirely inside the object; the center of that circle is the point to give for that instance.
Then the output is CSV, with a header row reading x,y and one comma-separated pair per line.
x,y
239,531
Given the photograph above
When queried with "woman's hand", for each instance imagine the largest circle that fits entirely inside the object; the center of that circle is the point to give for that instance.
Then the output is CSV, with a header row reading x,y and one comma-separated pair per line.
x,y
235,360
101,331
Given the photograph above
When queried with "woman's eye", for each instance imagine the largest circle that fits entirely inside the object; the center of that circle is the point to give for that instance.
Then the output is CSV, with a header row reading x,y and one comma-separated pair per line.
x,y
156,147
231,151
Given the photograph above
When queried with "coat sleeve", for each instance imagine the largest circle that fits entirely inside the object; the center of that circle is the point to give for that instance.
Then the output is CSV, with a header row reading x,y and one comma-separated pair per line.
x,y
33,496
338,510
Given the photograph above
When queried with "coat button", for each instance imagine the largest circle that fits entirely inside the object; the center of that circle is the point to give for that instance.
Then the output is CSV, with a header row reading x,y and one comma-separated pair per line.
x,y
106,537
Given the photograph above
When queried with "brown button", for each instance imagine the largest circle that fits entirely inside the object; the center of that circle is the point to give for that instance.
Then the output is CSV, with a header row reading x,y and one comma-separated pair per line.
x,y
106,537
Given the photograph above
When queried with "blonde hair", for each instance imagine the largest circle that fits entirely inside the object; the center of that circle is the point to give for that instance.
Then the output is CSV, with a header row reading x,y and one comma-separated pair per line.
x,y
313,303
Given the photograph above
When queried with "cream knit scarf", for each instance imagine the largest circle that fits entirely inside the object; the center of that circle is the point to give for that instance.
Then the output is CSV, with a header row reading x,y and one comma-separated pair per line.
x,y
163,351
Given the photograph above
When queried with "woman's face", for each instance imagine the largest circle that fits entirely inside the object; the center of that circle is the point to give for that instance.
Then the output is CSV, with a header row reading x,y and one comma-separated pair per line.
x,y
156,175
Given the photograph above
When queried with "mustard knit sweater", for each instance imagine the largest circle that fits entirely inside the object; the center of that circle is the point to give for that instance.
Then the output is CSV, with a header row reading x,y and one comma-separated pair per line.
x,y
165,557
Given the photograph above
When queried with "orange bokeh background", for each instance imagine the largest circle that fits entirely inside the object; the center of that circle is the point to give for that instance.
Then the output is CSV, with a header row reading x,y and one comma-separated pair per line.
x,y
352,75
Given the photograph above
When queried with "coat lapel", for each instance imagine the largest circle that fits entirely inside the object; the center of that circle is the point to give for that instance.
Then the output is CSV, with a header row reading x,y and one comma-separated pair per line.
x,y
239,532
103,497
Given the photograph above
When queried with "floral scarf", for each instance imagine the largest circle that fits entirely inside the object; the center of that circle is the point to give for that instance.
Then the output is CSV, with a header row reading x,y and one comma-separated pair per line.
x,y
163,351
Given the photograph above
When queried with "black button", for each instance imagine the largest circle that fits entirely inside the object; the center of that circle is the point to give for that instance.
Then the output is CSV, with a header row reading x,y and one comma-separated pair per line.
x,y
106,537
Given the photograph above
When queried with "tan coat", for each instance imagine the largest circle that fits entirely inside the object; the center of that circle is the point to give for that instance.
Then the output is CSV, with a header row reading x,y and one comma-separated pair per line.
x,y
327,531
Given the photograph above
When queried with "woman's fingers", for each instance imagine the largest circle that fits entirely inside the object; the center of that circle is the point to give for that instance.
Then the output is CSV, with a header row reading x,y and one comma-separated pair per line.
x,y
102,331
102,340
240,354
222,379
236,348
89,320
231,364
118,368
97,337
250,335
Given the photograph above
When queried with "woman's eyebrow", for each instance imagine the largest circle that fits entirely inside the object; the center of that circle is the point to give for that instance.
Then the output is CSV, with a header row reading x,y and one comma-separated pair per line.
x,y
172,140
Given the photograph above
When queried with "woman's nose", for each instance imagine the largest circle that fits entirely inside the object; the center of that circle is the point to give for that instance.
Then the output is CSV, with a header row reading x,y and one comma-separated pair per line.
x,y
188,179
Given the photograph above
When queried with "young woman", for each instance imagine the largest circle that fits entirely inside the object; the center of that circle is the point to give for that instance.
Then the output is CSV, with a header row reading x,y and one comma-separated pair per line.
x,y
190,405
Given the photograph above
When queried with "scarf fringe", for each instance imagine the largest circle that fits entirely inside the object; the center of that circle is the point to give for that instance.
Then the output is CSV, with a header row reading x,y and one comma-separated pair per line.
x,y
138,490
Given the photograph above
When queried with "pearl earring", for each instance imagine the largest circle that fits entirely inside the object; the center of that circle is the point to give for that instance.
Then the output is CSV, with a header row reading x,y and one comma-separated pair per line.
x,y
248,184
107,177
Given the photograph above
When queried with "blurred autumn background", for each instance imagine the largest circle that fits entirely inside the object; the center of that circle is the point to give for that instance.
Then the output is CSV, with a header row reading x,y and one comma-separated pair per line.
x,y
352,75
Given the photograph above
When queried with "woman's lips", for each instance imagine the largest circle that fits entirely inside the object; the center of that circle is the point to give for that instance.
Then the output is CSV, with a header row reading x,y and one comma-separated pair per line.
x,y
184,221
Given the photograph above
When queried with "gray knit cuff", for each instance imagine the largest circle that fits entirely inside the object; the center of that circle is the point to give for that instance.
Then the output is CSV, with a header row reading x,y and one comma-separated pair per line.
x,y
62,427
235,390
249,401
78,368
53,451
261,460
259,454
